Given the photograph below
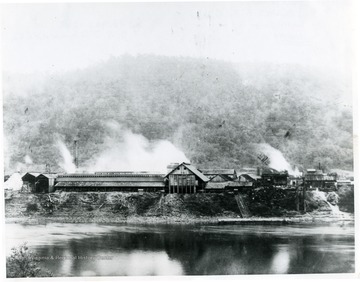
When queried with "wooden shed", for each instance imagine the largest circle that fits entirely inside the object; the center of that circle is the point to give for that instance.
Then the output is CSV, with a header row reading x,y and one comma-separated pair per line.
x,y
45,183
184,179
29,181
36,182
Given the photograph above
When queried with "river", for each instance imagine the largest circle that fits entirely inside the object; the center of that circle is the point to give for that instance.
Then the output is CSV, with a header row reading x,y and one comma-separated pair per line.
x,y
125,249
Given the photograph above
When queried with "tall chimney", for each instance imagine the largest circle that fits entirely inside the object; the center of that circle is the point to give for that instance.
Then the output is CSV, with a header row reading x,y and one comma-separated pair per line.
x,y
76,160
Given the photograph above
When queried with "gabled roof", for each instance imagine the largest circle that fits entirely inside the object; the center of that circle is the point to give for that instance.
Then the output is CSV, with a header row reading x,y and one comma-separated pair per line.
x,y
33,174
193,169
251,176
49,175
36,174
222,176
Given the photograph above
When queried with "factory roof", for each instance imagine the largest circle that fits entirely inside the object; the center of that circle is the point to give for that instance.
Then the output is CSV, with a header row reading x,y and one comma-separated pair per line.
x,y
111,174
207,171
193,169
110,184
49,175
250,176
35,174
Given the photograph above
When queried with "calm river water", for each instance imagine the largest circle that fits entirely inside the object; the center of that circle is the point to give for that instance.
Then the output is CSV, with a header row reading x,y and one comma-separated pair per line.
x,y
107,250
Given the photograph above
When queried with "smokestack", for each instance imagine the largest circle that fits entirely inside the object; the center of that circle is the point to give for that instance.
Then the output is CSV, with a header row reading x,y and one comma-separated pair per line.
x,y
47,168
76,162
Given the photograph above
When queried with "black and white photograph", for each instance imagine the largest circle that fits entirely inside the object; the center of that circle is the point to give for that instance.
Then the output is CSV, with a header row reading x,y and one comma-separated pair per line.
x,y
182,139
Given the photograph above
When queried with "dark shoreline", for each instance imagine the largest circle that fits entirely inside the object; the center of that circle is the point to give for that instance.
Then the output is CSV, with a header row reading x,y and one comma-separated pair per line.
x,y
344,218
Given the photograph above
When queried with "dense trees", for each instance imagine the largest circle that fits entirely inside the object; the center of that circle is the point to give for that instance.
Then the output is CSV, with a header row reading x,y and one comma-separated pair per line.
x,y
212,110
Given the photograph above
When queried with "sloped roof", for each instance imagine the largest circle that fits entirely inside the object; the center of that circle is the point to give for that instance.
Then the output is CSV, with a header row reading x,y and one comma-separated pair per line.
x,y
222,176
128,173
252,176
33,174
49,175
193,169
209,171
112,174
109,184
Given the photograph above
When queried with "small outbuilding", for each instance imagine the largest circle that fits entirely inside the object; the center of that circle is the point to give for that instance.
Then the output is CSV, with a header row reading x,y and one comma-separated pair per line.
x,y
29,182
46,183
36,182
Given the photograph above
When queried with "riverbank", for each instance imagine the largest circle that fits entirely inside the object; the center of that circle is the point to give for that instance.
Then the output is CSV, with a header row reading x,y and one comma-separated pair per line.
x,y
309,218
149,208
301,219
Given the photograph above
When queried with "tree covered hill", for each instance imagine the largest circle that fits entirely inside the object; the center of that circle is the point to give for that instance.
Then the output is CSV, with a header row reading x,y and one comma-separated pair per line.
x,y
213,111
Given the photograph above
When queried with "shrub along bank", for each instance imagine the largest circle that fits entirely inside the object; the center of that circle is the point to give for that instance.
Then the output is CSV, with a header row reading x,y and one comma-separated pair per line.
x,y
118,206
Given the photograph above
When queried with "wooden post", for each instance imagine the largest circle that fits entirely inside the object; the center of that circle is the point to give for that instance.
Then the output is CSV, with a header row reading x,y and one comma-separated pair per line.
x,y
297,195
304,194
177,176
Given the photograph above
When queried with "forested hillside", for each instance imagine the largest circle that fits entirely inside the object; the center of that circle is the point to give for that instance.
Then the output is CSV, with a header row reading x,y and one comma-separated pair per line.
x,y
213,111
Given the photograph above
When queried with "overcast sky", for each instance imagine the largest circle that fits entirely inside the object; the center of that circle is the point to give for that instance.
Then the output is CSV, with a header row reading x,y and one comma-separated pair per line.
x,y
60,37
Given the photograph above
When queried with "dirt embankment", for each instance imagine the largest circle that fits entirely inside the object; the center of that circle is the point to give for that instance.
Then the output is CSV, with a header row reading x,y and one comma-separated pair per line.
x,y
118,207
112,207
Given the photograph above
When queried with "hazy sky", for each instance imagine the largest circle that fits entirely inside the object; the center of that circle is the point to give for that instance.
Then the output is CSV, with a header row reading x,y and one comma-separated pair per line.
x,y
57,37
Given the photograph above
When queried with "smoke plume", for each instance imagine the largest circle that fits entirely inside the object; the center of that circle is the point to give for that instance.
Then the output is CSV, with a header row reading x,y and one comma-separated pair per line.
x,y
67,163
28,160
277,159
127,151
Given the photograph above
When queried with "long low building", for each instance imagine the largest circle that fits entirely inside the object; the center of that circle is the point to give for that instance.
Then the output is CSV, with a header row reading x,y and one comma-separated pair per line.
x,y
111,181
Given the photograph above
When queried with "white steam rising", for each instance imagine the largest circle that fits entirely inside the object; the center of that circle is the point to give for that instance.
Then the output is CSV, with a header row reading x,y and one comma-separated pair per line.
x,y
277,160
67,163
127,151
28,160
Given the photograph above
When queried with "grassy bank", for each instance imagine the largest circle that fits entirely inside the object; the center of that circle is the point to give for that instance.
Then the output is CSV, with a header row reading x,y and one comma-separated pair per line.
x,y
118,207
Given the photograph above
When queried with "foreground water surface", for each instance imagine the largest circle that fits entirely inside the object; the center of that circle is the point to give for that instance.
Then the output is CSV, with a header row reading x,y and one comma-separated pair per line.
x,y
108,250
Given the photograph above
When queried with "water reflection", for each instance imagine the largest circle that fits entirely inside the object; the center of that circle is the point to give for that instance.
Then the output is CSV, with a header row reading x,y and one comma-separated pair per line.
x,y
281,261
104,250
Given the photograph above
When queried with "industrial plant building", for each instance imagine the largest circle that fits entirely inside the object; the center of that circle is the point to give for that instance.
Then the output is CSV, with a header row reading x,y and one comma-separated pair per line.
x,y
181,178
